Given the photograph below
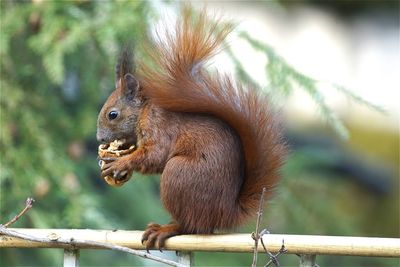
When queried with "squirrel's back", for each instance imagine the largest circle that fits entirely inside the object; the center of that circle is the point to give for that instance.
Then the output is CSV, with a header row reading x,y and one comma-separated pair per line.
x,y
177,81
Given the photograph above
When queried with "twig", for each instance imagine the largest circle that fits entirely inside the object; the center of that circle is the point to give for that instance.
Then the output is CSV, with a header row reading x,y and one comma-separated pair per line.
x,y
273,258
73,242
28,206
256,236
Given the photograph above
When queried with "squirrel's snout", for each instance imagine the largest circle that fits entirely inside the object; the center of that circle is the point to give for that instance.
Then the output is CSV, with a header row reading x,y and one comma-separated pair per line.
x,y
101,137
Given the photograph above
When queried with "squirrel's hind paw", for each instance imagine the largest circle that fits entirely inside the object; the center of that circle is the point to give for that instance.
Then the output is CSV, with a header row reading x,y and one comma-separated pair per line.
x,y
157,234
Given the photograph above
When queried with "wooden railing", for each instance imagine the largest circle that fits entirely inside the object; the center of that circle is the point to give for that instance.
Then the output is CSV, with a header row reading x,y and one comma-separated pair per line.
x,y
306,246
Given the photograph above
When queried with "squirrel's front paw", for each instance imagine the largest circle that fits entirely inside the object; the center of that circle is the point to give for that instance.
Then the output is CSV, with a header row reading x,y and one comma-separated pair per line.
x,y
116,167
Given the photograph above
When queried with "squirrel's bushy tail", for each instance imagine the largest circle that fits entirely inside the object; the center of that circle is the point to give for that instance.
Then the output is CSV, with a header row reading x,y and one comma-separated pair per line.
x,y
178,82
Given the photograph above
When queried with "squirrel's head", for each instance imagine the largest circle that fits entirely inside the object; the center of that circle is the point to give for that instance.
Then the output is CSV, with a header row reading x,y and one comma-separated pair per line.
x,y
119,114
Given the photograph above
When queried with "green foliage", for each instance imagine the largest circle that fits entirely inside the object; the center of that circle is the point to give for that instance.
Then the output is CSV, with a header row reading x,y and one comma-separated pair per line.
x,y
56,71
57,64
284,79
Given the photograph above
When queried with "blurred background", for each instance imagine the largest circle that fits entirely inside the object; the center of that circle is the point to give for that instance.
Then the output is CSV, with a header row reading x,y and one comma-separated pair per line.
x,y
332,67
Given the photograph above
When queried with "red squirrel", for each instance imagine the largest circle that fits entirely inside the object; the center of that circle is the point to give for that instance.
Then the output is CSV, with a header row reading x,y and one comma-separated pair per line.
x,y
215,143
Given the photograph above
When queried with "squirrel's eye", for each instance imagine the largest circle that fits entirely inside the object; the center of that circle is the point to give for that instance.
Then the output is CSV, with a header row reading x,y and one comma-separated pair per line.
x,y
112,115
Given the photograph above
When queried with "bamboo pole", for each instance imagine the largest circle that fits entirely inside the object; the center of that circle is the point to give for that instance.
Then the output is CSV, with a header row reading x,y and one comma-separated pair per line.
x,y
295,244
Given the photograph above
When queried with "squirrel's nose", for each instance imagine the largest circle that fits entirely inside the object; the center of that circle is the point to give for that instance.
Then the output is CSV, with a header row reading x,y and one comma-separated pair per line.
x,y
100,138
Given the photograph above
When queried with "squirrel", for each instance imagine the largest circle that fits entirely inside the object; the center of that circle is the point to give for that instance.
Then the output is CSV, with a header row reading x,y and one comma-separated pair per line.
x,y
215,143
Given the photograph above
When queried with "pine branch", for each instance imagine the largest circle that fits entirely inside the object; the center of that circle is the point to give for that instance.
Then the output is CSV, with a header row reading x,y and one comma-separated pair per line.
x,y
284,77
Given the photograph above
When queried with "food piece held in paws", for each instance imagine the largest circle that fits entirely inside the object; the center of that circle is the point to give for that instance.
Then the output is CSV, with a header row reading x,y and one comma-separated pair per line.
x,y
117,148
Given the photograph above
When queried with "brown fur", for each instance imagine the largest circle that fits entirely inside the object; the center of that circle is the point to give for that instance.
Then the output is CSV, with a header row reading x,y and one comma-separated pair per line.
x,y
216,144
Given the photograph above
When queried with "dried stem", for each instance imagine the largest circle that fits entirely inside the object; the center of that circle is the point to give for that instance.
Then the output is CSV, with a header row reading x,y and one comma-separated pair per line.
x,y
73,242
28,206
273,258
256,235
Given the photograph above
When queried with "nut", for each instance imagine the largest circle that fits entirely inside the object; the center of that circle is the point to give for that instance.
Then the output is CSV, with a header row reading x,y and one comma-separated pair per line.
x,y
115,149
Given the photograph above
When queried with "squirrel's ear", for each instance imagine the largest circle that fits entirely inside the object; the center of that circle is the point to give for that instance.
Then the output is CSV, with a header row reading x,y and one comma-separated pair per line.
x,y
130,86
124,66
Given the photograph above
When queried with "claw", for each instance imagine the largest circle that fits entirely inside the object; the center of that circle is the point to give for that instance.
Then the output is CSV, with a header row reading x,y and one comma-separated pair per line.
x,y
106,166
151,228
151,241
106,171
115,167
157,234
108,159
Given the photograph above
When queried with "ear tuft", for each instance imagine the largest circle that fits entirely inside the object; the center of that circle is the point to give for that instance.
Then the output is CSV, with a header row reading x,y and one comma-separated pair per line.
x,y
124,65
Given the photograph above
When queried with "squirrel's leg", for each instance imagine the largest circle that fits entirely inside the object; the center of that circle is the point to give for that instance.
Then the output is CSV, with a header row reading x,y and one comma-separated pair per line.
x,y
200,191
